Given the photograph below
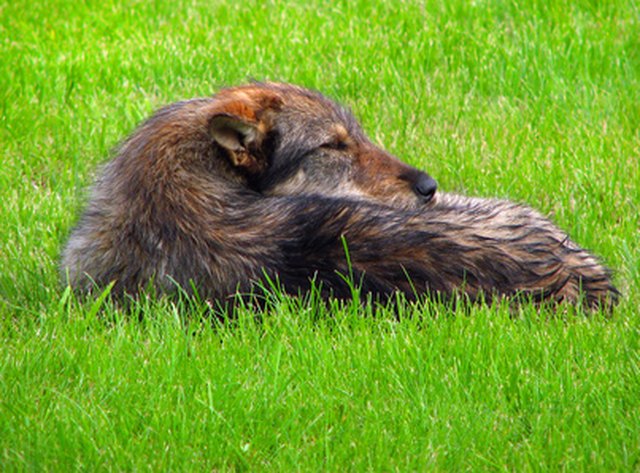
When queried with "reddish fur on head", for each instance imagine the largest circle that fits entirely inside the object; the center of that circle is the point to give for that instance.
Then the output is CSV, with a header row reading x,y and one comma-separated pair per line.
x,y
317,146
239,124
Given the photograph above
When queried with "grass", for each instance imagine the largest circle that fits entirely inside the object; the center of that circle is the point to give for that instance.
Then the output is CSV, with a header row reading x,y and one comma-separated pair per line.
x,y
534,101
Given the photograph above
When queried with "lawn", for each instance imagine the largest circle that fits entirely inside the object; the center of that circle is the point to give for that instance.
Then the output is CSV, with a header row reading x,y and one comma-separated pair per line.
x,y
534,101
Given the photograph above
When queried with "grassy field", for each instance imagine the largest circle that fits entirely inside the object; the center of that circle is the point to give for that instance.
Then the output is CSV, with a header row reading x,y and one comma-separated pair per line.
x,y
535,101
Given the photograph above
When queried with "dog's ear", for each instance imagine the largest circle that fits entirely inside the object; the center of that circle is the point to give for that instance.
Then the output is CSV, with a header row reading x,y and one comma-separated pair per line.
x,y
240,124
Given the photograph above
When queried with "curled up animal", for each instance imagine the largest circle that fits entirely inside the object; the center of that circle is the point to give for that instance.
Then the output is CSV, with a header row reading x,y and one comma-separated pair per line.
x,y
271,179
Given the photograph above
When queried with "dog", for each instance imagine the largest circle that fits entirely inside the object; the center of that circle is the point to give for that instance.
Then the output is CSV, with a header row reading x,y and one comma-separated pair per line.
x,y
270,181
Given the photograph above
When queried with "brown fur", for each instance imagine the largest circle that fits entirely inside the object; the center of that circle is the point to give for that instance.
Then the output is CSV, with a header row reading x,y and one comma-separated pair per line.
x,y
270,179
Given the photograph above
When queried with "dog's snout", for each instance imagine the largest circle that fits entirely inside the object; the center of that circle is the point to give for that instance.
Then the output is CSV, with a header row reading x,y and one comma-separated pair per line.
x,y
425,187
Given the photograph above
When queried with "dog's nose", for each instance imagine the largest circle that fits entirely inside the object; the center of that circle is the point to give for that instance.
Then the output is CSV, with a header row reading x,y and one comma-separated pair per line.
x,y
425,187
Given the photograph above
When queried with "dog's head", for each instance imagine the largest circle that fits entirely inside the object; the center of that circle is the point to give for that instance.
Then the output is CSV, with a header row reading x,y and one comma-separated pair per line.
x,y
292,141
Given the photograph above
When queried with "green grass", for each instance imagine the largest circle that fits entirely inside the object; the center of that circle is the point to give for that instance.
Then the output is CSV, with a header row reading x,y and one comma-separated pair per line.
x,y
534,101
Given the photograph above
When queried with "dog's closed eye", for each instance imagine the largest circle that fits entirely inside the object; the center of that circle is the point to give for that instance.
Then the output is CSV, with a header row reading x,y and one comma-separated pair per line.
x,y
339,145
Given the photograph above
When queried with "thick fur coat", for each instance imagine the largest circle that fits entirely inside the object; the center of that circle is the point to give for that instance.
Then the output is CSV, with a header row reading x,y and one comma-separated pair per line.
x,y
275,180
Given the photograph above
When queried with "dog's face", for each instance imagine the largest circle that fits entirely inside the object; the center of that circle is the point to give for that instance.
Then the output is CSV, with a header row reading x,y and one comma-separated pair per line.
x,y
292,141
